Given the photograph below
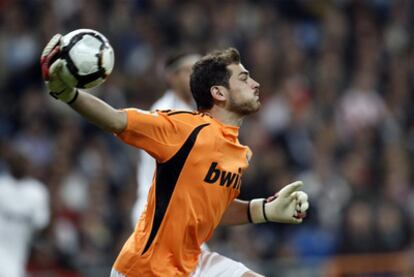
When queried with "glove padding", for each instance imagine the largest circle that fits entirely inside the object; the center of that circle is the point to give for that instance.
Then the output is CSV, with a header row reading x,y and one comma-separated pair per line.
x,y
51,66
287,206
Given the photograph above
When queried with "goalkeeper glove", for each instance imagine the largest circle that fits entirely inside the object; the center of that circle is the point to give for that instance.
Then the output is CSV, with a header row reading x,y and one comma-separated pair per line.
x,y
51,66
287,206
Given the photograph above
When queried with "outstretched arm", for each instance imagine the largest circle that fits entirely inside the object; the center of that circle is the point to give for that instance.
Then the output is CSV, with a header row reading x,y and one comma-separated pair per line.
x,y
236,213
289,205
92,108
100,113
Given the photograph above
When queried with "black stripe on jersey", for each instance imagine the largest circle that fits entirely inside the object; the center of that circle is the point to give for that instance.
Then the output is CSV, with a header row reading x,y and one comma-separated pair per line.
x,y
166,180
180,112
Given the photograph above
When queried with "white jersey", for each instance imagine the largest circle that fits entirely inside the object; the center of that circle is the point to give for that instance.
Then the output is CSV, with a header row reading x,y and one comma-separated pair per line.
x,y
146,164
24,208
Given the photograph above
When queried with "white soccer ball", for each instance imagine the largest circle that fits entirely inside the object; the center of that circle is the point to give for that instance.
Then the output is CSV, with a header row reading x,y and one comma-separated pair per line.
x,y
88,57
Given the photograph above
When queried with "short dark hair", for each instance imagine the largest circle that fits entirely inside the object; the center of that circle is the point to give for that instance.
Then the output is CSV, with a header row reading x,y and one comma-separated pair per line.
x,y
211,70
174,58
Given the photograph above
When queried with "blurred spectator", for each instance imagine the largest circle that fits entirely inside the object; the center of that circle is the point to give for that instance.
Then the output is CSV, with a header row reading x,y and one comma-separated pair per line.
x,y
392,227
357,230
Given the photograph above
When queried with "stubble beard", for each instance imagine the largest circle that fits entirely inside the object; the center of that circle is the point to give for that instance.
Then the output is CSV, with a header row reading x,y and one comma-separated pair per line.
x,y
244,108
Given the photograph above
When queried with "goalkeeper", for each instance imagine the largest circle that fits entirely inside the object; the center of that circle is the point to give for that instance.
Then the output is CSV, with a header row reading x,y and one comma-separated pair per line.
x,y
200,163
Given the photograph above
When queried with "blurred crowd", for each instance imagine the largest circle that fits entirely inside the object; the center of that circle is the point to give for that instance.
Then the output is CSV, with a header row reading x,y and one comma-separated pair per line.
x,y
337,84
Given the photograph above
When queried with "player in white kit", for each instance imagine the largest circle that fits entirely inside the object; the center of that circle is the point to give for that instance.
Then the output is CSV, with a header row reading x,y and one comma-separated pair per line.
x,y
24,209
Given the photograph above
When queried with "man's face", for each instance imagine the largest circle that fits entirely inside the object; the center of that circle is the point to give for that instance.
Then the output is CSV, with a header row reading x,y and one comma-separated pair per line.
x,y
243,95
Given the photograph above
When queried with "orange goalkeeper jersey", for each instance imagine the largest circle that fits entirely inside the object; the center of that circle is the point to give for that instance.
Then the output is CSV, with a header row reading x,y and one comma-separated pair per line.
x,y
199,166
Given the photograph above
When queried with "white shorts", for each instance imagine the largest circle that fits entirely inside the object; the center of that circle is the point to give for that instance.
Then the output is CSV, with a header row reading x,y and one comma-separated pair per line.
x,y
211,264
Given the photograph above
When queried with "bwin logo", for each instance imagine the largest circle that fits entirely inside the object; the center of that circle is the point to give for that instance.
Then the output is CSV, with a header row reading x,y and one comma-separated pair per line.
x,y
227,178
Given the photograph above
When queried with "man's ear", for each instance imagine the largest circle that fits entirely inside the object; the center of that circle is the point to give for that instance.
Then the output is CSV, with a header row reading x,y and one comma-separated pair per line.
x,y
218,93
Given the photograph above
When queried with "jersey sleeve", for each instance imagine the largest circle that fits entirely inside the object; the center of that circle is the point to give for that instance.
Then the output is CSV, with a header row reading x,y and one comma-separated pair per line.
x,y
154,132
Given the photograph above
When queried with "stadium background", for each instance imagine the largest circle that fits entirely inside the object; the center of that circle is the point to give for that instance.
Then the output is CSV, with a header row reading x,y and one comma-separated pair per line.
x,y
337,81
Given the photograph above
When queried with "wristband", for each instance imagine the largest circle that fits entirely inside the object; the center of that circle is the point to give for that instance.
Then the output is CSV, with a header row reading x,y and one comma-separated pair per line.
x,y
74,97
256,211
